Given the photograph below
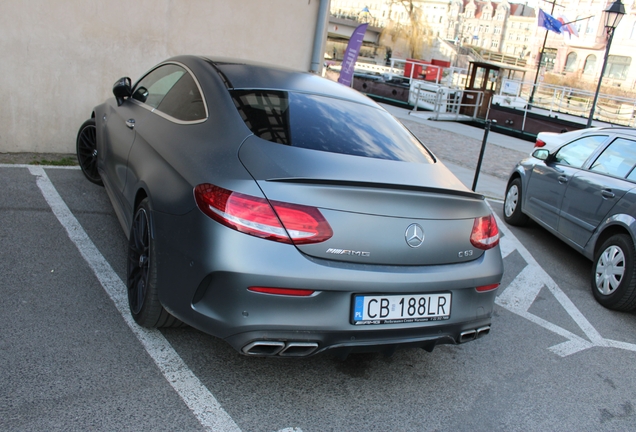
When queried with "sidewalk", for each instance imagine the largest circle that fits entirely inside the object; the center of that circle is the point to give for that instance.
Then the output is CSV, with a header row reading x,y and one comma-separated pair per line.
x,y
458,146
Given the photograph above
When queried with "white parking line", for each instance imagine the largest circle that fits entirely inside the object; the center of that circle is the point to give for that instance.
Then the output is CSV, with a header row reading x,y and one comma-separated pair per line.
x,y
196,396
521,293
70,167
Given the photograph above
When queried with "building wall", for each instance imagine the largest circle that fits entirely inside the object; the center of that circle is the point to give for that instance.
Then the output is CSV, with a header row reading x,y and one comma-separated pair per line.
x,y
519,36
572,53
60,58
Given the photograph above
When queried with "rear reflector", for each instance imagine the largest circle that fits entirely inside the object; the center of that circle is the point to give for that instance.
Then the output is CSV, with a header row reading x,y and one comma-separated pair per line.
x,y
485,288
283,291
539,143
277,221
485,233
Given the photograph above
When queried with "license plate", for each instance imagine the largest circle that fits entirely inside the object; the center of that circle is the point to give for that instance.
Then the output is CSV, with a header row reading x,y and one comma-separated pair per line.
x,y
396,309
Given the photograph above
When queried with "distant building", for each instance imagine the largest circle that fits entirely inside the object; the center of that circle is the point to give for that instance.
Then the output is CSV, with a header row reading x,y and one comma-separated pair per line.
x,y
479,23
432,15
501,27
582,57
519,31
511,29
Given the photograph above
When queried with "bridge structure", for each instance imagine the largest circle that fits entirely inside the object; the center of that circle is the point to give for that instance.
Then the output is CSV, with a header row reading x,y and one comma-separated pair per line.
x,y
341,29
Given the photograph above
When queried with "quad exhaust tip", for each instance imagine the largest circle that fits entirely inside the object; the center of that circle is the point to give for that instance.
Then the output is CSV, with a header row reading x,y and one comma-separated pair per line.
x,y
470,335
280,348
303,349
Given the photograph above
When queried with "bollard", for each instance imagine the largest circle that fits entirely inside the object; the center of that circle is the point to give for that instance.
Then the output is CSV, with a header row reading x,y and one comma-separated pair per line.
x,y
481,154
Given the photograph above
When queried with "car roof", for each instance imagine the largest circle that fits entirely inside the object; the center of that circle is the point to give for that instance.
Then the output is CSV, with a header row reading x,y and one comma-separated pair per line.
x,y
609,129
554,138
621,129
247,75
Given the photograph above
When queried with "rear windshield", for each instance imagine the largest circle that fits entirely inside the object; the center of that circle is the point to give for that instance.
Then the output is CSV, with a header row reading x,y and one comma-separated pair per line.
x,y
327,124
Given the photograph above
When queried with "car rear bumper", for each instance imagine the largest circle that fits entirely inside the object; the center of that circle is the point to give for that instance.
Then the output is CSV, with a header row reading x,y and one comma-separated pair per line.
x,y
204,271
305,343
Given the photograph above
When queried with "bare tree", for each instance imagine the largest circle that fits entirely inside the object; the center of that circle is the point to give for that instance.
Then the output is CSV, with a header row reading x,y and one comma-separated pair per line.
x,y
414,32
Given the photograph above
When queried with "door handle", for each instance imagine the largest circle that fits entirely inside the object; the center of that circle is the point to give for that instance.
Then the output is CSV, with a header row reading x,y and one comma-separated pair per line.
x,y
562,179
130,123
607,193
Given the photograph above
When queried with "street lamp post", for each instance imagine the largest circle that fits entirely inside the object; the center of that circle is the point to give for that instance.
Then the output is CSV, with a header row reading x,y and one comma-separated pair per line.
x,y
613,16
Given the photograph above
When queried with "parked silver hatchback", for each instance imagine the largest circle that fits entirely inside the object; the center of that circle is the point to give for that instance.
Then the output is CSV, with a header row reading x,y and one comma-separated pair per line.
x,y
584,192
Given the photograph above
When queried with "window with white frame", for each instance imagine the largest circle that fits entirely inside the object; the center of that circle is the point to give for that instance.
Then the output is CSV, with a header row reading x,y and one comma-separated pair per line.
x,y
589,65
591,26
578,23
617,67
570,62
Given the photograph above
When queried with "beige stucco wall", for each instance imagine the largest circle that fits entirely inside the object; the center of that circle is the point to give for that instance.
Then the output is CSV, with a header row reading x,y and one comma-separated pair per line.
x,y
60,58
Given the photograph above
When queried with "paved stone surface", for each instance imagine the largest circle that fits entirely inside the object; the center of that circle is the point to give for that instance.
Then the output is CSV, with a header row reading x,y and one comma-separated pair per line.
x,y
458,146
464,151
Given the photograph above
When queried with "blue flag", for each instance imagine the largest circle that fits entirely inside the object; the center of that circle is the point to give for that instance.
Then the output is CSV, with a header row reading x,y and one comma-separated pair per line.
x,y
549,22
351,55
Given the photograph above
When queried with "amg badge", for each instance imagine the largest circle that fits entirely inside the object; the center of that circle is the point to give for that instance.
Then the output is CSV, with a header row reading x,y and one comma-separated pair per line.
x,y
348,252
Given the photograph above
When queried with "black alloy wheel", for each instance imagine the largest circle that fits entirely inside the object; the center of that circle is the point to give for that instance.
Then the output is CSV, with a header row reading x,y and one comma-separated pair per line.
x,y
143,296
138,261
87,151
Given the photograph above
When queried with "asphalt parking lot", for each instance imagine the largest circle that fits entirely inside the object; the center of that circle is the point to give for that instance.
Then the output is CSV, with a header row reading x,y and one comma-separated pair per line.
x,y
74,360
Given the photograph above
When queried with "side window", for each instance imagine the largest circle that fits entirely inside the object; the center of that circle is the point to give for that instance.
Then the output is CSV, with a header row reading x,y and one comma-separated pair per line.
x,y
184,101
173,91
617,159
153,87
576,153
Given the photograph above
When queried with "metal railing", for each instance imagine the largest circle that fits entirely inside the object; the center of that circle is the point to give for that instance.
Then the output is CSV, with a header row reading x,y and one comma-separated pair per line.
x,y
502,58
446,102
555,99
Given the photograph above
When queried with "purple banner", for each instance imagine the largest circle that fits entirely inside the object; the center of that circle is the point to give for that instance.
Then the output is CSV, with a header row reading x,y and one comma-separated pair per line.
x,y
351,55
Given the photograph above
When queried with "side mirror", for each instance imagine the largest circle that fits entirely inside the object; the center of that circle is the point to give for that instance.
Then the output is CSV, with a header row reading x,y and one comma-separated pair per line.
x,y
122,90
542,154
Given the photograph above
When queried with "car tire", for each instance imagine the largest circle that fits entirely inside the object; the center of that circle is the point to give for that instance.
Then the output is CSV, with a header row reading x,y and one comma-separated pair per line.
x,y
143,296
512,204
614,273
86,148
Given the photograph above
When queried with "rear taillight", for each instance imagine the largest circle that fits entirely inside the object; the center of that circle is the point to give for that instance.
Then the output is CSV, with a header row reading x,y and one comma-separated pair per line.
x,y
277,221
539,143
294,292
486,288
485,233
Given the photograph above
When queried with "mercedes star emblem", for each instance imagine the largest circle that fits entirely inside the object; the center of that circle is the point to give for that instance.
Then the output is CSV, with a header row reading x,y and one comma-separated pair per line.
x,y
414,235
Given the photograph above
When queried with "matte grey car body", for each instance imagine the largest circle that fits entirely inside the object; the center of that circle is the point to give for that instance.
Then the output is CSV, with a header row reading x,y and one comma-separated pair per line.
x,y
582,188
287,144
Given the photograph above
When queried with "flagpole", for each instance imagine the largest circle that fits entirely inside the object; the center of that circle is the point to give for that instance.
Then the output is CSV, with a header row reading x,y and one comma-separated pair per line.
x,y
545,39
